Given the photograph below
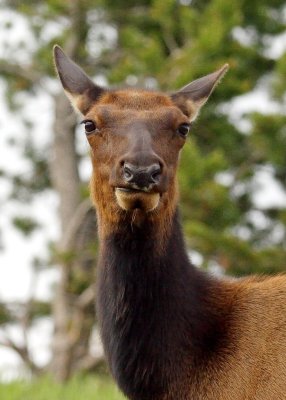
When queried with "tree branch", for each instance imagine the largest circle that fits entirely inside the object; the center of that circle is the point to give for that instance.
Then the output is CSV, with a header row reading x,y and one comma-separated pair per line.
x,y
87,297
23,352
91,363
28,74
75,224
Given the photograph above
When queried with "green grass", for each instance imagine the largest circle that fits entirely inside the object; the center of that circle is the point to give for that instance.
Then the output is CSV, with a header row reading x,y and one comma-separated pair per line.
x,y
79,388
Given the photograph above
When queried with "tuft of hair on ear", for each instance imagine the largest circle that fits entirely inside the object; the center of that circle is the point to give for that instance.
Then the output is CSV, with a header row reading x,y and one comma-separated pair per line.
x,y
79,88
193,96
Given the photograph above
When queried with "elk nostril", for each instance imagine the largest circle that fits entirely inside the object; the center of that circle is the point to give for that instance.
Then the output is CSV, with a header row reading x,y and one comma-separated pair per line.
x,y
155,173
127,173
155,176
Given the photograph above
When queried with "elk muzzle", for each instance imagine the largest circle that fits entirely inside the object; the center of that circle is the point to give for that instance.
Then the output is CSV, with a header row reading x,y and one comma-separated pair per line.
x,y
140,189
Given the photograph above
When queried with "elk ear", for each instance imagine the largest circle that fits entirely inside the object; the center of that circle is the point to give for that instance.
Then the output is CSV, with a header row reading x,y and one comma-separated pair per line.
x,y
79,88
193,96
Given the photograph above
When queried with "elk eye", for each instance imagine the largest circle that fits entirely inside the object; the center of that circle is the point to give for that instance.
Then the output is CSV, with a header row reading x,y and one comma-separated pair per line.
x,y
184,129
89,126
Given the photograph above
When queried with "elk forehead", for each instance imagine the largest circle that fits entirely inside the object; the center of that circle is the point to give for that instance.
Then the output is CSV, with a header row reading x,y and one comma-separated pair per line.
x,y
162,118
141,107
136,99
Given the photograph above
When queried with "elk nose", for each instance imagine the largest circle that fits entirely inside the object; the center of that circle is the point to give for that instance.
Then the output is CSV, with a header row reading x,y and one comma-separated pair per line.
x,y
142,177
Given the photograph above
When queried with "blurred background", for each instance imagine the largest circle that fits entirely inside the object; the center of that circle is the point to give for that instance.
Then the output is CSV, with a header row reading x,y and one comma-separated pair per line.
x,y
232,175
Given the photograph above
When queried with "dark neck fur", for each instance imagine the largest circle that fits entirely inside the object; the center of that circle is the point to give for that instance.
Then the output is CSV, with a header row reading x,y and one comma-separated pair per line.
x,y
156,323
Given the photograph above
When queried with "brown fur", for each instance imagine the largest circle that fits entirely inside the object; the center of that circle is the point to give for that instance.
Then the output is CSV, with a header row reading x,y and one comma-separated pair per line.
x,y
255,368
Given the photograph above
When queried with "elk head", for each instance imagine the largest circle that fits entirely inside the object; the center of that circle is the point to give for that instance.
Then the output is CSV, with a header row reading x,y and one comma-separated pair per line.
x,y
135,138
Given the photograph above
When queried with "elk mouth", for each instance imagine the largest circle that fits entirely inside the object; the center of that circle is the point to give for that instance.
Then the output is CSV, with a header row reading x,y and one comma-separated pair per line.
x,y
132,190
134,198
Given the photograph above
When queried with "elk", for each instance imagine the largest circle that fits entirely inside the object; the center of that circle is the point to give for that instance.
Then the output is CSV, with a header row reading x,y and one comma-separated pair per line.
x,y
170,331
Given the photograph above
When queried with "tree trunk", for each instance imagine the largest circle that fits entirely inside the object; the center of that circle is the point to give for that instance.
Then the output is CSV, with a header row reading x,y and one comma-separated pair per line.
x,y
73,308
65,180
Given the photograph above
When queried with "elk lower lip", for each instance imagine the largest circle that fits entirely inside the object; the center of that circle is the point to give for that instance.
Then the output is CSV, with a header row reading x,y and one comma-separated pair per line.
x,y
129,199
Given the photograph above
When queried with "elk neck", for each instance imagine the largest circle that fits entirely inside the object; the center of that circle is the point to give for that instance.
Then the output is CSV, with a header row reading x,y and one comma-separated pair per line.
x,y
160,317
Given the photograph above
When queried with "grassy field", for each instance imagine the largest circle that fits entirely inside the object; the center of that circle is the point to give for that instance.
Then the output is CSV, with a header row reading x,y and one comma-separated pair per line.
x,y
80,388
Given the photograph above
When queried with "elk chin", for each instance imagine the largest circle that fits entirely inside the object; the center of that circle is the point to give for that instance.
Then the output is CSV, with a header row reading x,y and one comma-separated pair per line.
x,y
131,200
